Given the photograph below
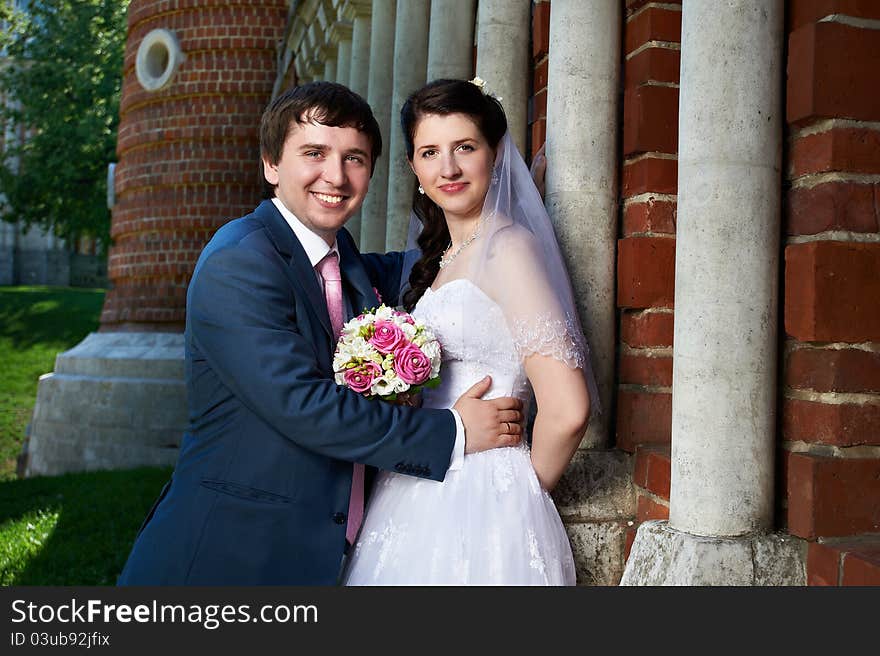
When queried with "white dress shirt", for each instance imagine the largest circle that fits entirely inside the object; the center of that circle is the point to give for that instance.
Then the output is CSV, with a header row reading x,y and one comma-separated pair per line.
x,y
316,250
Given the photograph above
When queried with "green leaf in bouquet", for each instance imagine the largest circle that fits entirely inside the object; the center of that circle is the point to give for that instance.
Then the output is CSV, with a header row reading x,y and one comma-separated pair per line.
x,y
431,384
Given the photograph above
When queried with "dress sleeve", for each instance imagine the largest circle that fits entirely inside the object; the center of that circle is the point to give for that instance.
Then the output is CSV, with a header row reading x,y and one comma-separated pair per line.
x,y
539,324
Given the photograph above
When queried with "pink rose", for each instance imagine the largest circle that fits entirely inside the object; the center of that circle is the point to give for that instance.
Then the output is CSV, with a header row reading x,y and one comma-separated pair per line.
x,y
360,379
387,337
412,365
406,317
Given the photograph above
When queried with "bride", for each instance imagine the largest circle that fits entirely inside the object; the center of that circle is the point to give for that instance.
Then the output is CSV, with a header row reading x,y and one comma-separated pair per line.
x,y
491,284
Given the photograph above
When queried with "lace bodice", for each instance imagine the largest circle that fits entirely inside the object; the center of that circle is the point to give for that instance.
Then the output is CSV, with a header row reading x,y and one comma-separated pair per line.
x,y
476,342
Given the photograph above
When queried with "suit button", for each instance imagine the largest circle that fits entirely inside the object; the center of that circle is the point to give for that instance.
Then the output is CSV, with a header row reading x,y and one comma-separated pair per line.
x,y
400,467
339,518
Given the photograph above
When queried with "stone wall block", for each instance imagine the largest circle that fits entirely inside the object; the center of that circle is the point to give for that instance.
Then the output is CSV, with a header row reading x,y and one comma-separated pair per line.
x,y
597,485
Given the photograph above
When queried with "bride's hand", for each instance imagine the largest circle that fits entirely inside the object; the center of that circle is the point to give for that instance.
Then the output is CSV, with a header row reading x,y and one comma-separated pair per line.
x,y
539,169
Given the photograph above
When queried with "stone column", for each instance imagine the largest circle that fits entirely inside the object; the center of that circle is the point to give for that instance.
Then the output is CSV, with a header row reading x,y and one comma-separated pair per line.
x,y
410,64
329,67
358,13
343,60
503,58
727,259
581,196
340,32
313,45
379,88
451,39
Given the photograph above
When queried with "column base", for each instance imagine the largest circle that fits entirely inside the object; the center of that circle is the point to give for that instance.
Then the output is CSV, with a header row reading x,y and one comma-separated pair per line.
x,y
662,555
114,401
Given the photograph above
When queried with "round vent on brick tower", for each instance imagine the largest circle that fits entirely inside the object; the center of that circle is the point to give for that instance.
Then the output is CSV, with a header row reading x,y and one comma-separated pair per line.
x,y
158,57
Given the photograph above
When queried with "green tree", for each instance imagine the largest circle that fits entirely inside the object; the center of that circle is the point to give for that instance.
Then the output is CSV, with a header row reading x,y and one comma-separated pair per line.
x,y
61,74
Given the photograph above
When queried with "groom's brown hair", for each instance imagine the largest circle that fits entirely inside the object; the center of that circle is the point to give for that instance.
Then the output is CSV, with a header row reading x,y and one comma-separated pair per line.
x,y
328,103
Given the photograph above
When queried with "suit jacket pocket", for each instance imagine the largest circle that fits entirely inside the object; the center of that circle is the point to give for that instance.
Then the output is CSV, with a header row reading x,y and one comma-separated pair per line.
x,y
244,491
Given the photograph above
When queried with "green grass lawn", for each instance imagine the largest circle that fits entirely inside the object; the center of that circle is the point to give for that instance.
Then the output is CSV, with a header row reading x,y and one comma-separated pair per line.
x,y
36,323
75,529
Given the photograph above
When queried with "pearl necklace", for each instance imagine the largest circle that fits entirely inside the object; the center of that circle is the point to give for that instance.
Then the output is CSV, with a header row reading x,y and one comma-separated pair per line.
x,y
446,260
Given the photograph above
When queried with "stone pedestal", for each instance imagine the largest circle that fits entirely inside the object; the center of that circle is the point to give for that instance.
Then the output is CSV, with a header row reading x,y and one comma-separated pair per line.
x,y
114,401
662,555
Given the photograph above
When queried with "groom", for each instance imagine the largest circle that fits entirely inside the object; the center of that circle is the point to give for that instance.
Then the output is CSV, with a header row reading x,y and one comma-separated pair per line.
x,y
265,490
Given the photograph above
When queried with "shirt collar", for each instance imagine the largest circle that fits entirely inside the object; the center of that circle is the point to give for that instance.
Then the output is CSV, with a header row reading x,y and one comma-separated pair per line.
x,y
315,247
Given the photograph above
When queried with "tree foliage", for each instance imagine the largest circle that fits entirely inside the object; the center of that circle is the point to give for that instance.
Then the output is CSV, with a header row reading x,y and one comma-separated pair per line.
x,y
62,76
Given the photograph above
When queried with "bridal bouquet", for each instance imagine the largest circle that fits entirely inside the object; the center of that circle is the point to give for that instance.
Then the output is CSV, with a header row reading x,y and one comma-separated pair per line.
x,y
383,353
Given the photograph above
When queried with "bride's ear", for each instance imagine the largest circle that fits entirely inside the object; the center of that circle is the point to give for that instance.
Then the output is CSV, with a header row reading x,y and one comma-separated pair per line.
x,y
413,169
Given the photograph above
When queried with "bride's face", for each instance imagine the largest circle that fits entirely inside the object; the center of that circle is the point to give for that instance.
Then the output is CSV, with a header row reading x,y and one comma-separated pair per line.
x,y
453,162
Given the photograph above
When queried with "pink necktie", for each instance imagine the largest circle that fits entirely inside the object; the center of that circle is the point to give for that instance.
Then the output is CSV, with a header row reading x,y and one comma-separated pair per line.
x,y
328,268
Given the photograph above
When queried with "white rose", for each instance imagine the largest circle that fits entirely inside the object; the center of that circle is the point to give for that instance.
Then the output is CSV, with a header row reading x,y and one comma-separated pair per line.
x,y
384,313
408,329
382,387
361,348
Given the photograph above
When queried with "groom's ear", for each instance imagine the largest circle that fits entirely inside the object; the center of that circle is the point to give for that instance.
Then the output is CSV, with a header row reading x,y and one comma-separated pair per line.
x,y
270,172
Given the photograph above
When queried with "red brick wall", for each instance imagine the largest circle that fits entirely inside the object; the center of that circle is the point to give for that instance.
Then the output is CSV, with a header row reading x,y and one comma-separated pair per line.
x,y
646,248
540,63
187,153
831,373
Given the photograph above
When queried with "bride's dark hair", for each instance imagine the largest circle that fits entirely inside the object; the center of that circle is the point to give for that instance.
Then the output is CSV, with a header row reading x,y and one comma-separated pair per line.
x,y
442,97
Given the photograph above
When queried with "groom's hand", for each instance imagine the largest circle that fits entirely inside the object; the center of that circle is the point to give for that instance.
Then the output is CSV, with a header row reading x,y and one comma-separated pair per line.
x,y
491,423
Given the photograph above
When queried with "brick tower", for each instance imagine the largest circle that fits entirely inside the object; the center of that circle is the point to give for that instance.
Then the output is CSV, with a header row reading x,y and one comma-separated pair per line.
x,y
197,76
188,150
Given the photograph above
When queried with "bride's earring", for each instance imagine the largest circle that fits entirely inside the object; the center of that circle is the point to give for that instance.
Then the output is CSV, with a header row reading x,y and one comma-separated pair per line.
x,y
421,190
494,177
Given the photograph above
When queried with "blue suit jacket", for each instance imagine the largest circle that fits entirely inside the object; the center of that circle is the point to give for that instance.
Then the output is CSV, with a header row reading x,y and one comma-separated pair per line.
x,y
262,483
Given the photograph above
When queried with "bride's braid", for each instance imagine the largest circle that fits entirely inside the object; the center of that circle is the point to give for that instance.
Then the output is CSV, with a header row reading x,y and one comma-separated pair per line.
x,y
442,97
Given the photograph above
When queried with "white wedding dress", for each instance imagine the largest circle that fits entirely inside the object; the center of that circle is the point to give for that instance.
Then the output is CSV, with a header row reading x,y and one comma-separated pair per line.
x,y
488,523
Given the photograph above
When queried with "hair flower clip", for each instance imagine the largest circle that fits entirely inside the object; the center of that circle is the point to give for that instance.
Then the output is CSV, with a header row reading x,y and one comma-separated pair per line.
x,y
480,83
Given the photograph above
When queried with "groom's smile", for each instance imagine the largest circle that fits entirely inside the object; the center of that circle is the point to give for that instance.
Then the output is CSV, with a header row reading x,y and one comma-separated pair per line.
x,y
323,175
329,200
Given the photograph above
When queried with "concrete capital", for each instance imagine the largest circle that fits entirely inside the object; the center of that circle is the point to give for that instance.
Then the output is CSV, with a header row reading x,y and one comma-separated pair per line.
x,y
352,9
340,30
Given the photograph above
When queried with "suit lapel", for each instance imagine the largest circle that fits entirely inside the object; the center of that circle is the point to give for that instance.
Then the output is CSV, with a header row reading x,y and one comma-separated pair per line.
x,y
303,277
353,272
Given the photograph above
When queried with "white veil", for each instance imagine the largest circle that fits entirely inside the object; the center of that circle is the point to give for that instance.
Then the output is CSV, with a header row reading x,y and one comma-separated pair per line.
x,y
516,261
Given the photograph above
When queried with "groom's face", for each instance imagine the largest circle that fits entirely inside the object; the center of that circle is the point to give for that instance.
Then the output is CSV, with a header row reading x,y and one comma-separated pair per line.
x,y
322,176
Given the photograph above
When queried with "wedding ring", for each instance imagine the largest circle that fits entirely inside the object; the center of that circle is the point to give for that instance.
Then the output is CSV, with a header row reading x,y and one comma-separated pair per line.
x,y
506,423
